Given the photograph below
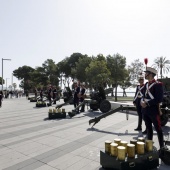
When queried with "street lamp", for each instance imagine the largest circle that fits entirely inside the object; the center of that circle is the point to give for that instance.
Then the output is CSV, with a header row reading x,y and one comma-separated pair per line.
x,y
6,83
2,70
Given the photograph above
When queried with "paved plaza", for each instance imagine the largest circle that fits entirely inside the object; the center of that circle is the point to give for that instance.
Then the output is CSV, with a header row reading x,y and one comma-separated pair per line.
x,y
29,140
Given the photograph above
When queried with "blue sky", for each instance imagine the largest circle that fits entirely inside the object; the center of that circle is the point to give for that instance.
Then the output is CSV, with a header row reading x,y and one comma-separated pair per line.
x,y
32,31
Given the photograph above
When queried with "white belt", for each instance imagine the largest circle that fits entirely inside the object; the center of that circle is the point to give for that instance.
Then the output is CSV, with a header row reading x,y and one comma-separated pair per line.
x,y
147,100
139,96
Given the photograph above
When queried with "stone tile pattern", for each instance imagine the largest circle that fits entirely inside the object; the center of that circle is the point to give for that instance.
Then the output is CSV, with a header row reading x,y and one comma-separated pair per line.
x,y
29,140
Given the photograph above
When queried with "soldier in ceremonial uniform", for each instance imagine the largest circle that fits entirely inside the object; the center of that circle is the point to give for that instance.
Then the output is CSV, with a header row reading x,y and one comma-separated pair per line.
x,y
153,96
54,94
76,94
137,100
82,95
41,94
49,91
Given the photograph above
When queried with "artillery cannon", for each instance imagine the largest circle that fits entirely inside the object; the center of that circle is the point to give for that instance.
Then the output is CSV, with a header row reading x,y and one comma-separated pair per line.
x,y
164,116
165,109
165,106
98,100
67,97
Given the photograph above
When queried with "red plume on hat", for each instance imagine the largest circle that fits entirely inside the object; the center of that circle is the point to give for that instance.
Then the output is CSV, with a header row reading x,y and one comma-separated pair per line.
x,y
146,61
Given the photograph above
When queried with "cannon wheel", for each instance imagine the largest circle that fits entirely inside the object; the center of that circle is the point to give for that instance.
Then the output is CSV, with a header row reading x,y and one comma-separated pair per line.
x,y
105,106
164,119
94,106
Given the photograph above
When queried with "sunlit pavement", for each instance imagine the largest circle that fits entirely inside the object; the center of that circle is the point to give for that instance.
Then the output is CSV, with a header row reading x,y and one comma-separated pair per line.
x,y
29,140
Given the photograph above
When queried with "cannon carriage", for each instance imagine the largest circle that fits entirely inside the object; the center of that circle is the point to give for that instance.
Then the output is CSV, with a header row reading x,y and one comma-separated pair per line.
x,y
98,100
164,106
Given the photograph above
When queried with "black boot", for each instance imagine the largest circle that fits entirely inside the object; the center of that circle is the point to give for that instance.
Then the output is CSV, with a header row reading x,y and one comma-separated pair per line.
x,y
145,131
138,128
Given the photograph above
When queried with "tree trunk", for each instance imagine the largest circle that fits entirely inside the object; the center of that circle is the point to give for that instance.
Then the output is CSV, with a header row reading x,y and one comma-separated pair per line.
x,y
161,72
112,94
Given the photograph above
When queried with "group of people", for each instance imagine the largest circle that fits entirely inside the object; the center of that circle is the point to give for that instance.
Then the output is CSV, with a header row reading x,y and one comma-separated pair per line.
x,y
147,100
79,95
52,94
10,94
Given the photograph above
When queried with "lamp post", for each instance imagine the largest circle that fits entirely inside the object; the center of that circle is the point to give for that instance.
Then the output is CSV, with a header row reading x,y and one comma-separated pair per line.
x,y
6,83
2,70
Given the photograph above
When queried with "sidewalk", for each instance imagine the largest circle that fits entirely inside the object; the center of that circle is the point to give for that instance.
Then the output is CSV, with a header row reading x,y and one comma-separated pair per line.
x,y
29,140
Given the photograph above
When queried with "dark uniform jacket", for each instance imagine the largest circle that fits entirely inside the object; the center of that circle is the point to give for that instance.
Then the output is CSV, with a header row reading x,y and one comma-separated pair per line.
x,y
76,92
153,95
82,92
138,97
138,94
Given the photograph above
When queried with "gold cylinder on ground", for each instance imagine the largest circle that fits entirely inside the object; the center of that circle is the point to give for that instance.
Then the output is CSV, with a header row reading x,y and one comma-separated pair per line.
x,y
63,110
59,110
131,150
117,141
124,143
121,153
50,110
149,145
113,149
133,141
140,148
141,139
107,146
54,110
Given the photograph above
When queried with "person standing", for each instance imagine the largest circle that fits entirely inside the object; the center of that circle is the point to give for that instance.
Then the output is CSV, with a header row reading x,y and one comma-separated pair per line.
x,y
41,94
137,100
35,92
153,96
49,91
54,94
1,97
82,96
76,92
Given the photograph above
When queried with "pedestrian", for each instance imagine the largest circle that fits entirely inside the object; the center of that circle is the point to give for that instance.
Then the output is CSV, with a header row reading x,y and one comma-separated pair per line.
x,y
41,94
153,96
1,97
137,100
82,96
54,94
76,95
49,93
26,94
35,92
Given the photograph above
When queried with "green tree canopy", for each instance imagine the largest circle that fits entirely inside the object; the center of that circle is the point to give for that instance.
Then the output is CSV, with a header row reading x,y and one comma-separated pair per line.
x,y
97,72
81,66
135,69
39,78
1,81
24,74
117,66
51,71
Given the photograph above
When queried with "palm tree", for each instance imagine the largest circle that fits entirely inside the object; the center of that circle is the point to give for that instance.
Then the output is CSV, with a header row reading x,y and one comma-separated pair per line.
x,y
162,65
